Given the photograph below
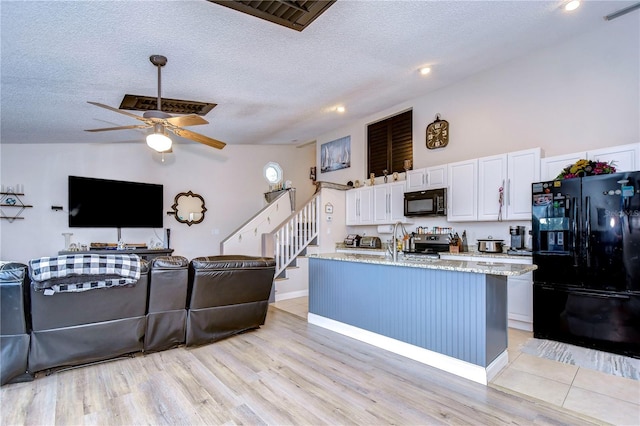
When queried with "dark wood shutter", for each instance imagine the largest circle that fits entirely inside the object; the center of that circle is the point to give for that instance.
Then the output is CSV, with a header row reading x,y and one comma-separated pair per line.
x,y
389,143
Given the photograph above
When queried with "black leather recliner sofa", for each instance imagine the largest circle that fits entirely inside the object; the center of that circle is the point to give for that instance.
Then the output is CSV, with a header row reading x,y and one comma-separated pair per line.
x,y
72,328
167,312
228,295
49,323
14,323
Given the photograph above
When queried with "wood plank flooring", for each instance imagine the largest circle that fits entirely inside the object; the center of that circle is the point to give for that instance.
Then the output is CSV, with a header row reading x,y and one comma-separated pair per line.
x,y
287,372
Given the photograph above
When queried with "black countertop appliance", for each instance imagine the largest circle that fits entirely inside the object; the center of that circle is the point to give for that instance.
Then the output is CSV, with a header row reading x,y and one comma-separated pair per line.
x,y
586,243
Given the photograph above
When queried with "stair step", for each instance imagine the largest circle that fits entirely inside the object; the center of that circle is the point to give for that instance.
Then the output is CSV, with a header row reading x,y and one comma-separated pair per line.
x,y
281,279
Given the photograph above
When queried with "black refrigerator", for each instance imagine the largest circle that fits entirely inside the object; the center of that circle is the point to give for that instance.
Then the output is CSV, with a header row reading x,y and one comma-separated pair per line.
x,y
586,244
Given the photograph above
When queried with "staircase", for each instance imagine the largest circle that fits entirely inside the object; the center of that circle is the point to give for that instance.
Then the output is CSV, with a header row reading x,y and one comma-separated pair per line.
x,y
288,244
287,237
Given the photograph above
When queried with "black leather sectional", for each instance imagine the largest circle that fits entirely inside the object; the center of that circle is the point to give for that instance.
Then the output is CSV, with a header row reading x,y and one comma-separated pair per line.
x,y
174,302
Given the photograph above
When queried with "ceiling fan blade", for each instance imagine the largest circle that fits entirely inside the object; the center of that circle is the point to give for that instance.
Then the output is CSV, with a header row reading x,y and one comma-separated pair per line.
x,y
187,120
198,138
137,117
134,126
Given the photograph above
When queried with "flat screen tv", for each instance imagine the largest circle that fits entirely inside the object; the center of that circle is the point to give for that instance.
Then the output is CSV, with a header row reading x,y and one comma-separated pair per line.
x,y
103,203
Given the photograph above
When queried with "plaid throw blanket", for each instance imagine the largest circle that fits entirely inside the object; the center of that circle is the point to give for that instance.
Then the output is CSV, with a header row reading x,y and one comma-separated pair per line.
x,y
82,272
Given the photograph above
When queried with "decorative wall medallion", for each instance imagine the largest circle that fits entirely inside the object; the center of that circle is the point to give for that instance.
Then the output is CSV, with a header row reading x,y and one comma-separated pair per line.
x,y
438,133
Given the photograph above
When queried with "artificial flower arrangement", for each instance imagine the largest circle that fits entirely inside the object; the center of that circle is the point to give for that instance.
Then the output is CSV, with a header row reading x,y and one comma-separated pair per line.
x,y
583,168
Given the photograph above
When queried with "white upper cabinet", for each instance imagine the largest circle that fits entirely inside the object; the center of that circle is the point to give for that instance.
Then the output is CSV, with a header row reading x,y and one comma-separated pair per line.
x,y
551,167
359,206
504,185
523,169
416,180
427,178
437,176
388,202
625,158
492,181
462,193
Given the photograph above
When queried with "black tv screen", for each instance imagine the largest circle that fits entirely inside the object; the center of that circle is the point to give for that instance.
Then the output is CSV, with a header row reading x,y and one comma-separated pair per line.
x,y
103,203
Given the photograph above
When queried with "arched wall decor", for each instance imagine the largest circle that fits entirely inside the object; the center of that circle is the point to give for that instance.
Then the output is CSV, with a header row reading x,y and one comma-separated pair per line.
x,y
189,208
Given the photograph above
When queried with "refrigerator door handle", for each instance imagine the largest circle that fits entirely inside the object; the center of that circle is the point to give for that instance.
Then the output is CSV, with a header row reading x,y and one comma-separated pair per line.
x,y
587,236
574,230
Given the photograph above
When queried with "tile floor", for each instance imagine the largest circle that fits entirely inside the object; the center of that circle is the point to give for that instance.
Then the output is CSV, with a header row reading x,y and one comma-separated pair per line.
x,y
607,398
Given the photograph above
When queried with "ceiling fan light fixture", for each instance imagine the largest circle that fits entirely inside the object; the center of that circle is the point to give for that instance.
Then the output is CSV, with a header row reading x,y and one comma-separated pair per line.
x,y
158,140
572,5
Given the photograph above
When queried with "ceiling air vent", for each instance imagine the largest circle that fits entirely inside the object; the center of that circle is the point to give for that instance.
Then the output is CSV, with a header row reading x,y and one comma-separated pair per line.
x,y
171,106
292,14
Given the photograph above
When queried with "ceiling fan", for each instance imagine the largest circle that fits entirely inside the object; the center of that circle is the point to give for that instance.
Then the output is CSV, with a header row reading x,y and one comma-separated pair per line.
x,y
161,121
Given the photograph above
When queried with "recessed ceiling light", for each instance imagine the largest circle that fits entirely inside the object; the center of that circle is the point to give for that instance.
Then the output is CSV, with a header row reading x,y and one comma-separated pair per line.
x,y
340,108
425,70
572,5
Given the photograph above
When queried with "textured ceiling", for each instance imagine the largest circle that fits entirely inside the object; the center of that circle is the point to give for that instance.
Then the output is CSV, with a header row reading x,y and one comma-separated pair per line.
x,y
271,84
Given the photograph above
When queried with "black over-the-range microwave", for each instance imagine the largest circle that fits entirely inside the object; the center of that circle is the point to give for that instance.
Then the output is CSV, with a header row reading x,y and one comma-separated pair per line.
x,y
431,202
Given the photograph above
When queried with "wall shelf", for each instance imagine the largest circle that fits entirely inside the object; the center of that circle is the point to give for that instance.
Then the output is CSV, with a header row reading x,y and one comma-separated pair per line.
x,y
12,200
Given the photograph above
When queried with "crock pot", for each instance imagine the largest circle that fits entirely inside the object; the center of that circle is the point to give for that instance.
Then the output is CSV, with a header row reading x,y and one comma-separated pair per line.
x,y
490,245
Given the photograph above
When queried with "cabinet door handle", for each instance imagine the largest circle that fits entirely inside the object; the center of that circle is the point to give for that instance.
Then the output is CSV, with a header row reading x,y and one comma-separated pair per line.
x,y
425,179
508,192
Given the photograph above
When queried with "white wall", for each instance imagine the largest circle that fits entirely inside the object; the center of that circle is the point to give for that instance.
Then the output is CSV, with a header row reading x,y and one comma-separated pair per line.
x,y
332,226
578,95
230,180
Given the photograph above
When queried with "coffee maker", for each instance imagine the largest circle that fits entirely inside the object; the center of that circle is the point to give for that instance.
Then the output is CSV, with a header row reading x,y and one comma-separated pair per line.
x,y
517,237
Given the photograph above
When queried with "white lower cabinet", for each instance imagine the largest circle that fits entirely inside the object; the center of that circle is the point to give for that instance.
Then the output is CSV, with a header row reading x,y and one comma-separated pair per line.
x,y
519,290
520,301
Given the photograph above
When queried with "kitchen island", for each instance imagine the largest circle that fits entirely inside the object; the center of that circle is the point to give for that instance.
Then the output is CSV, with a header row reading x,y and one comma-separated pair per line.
x,y
449,314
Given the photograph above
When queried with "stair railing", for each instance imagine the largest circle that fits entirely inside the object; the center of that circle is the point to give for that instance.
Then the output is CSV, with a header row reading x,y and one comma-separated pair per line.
x,y
288,240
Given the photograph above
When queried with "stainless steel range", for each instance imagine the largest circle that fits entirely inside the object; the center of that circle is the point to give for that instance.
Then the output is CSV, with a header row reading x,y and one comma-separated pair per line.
x,y
430,245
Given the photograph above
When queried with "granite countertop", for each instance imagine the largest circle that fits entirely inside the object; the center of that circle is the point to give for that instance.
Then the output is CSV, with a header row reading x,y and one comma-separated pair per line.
x,y
382,251
489,267
488,255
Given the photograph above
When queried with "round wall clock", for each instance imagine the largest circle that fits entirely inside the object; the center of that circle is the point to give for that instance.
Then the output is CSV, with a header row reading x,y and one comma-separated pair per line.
x,y
438,133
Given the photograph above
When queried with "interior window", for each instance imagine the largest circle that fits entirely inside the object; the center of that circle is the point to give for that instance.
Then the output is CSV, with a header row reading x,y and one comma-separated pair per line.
x,y
389,144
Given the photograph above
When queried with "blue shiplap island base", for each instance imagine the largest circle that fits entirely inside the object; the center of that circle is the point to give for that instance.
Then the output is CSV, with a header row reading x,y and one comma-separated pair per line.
x,y
451,315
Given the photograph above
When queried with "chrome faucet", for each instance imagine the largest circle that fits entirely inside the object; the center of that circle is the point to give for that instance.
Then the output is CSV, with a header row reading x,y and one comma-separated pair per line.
x,y
394,243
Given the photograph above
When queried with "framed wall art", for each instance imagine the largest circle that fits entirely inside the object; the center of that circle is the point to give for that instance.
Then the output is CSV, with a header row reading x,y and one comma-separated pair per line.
x,y
335,155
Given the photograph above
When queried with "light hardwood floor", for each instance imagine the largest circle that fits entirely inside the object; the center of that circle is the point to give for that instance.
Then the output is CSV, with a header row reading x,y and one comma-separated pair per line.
x,y
287,372
607,398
